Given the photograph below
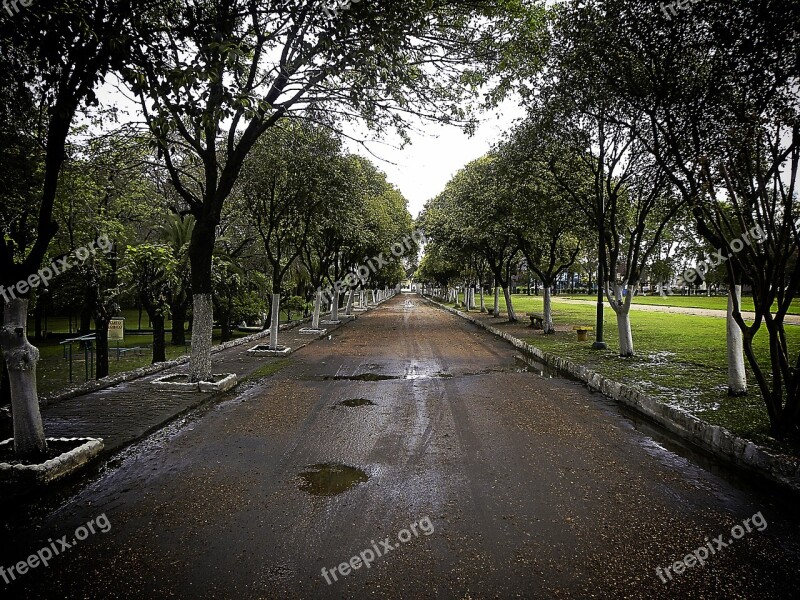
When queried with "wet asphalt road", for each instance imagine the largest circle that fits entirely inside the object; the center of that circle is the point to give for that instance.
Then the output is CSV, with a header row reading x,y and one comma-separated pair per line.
x,y
518,486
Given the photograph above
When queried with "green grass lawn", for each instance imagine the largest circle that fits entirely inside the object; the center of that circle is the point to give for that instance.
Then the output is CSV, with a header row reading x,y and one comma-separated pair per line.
x,y
711,302
52,372
680,359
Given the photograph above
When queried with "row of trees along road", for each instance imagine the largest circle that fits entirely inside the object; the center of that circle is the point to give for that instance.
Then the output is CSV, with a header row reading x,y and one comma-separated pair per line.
x,y
647,133
212,78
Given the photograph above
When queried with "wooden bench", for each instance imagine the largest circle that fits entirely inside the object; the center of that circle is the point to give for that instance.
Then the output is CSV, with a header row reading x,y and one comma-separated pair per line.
x,y
537,320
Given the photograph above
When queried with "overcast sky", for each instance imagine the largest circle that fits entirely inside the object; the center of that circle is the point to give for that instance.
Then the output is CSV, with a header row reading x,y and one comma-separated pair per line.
x,y
422,169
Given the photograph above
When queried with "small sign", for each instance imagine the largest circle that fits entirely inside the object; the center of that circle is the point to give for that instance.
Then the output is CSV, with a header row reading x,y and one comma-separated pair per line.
x,y
116,330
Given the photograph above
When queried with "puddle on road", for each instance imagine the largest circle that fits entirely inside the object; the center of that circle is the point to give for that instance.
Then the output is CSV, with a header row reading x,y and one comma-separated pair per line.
x,y
362,377
529,365
354,402
331,479
521,364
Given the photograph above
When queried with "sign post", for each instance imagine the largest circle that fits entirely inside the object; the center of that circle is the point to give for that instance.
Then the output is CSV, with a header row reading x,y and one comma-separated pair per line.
x,y
116,332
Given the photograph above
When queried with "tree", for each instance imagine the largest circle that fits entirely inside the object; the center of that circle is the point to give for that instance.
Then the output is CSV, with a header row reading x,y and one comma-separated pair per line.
x,y
291,172
151,271
472,215
543,218
216,76
52,61
718,92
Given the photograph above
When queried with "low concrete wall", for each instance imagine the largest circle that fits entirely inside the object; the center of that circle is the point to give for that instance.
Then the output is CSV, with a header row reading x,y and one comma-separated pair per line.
x,y
716,440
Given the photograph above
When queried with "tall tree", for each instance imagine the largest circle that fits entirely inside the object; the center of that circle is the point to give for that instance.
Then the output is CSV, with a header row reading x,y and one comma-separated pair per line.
x,y
217,75
718,90
51,61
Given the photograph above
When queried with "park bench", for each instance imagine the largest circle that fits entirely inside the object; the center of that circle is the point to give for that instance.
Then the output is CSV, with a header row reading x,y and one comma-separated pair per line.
x,y
537,320
583,332
137,349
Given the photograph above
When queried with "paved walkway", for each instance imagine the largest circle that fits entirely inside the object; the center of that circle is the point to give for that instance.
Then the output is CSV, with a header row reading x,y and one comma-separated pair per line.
x,y
124,413
700,312
411,456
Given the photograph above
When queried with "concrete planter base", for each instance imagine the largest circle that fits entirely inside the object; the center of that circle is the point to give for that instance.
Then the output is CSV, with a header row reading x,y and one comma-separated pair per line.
x,y
264,350
181,383
330,322
54,469
312,331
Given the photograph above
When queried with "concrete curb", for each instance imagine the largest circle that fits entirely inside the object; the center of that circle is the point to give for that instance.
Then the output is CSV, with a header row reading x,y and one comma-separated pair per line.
x,y
112,380
718,441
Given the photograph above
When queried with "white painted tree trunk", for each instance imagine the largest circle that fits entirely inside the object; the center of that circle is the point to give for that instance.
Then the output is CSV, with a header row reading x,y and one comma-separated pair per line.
x,y
335,307
317,309
496,301
483,305
512,315
622,309
660,289
202,331
624,331
21,358
737,376
548,311
471,304
350,303
276,321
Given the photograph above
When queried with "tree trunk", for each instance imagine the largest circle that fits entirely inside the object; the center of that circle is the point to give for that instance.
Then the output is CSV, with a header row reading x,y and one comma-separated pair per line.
x,y
201,252
226,334
496,301
5,385
512,315
317,309
275,313
178,311
159,338
202,331
548,312
101,347
350,303
21,359
483,304
86,319
737,376
335,306
624,330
